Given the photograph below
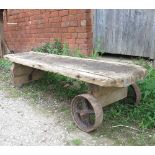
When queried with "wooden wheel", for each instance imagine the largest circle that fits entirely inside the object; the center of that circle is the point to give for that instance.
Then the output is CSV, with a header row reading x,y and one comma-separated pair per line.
x,y
134,95
86,112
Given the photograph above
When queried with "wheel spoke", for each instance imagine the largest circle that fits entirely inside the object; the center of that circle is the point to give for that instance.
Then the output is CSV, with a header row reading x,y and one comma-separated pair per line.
x,y
84,105
89,111
85,112
86,122
78,111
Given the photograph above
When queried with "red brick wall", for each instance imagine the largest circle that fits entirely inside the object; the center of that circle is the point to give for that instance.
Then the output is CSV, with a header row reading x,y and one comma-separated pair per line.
x,y
27,29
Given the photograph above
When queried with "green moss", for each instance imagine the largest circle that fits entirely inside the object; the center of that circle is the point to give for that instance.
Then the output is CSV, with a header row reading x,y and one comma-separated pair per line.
x,y
76,142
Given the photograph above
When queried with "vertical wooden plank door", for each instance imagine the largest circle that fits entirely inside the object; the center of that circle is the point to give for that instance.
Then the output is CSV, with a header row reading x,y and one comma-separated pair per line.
x,y
127,32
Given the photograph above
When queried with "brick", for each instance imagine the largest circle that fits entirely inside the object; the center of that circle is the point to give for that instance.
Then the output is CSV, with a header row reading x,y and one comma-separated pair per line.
x,y
83,46
65,18
46,14
63,29
80,29
63,13
54,29
89,22
81,11
72,17
46,19
90,35
72,11
69,23
74,35
73,46
65,24
73,23
82,35
88,29
84,16
56,35
36,12
35,17
54,20
42,40
41,30
54,24
66,35
46,35
37,21
54,13
83,22
71,29
71,41
37,26
81,41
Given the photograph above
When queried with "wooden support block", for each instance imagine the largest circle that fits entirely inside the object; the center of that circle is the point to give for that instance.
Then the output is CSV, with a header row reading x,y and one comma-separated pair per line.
x,y
23,74
19,70
107,95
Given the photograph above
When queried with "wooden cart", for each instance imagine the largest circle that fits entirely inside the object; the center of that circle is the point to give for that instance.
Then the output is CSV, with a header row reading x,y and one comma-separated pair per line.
x,y
108,81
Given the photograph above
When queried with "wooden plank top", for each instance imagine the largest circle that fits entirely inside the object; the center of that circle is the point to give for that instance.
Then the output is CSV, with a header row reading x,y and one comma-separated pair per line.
x,y
99,72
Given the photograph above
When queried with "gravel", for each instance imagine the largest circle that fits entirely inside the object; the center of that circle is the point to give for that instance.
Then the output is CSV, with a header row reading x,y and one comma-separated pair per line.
x,y
22,123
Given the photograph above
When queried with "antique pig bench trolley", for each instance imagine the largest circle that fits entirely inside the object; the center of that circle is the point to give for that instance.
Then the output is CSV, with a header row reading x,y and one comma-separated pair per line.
x,y
108,81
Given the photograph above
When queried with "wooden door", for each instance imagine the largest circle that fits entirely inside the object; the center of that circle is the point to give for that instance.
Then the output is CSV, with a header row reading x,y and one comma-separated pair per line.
x,y
127,32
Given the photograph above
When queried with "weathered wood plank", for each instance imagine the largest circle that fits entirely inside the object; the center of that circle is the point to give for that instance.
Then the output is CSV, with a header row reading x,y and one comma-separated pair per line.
x,y
99,72
127,32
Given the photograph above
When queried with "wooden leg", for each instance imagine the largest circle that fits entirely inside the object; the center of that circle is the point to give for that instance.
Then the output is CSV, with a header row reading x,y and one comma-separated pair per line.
x,y
107,95
23,74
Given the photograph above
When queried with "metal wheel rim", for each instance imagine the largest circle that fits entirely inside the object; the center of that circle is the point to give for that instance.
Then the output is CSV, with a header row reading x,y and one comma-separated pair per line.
x,y
136,94
97,108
